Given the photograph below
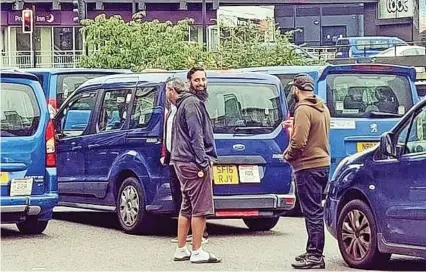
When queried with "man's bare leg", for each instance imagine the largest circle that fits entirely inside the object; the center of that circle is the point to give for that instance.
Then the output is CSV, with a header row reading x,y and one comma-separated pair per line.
x,y
198,227
183,230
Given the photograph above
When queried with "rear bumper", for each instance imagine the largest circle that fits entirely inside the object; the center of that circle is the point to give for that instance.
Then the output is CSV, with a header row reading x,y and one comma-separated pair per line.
x,y
266,202
16,209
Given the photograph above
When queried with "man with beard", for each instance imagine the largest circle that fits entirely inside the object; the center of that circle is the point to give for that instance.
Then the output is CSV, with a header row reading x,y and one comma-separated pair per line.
x,y
173,87
309,155
193,151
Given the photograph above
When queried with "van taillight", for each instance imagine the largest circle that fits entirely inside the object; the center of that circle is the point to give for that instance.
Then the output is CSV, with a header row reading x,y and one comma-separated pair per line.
x,y
50,145
52,107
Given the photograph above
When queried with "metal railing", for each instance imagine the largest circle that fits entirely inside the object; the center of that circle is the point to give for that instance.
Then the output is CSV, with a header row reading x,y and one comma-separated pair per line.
x,y
323,53
41,59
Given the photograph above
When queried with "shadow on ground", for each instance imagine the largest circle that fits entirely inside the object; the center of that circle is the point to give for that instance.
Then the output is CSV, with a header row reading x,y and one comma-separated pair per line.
x,y
10,233
165,226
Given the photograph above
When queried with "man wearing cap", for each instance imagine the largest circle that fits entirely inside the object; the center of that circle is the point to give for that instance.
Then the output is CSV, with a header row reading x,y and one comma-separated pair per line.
x,y
309,155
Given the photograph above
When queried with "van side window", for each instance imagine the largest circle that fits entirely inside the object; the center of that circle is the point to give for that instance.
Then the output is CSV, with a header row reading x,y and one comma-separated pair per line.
x,y
143,106
75,118
113,112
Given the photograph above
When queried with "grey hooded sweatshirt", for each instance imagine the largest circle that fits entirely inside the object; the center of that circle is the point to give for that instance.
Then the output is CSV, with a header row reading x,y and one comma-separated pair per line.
x,y
193,138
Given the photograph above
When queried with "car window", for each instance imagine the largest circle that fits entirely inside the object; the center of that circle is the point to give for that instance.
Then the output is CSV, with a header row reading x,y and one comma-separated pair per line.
x,y
143,107
75,118
409,52
113,111
20,112
67,83
243,107
368,95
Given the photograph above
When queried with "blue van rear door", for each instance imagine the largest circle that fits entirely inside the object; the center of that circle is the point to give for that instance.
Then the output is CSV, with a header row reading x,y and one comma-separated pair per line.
x,y
24,118
364,101
246,115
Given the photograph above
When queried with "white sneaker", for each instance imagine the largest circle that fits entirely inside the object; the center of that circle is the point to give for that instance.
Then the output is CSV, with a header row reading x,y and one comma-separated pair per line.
x,y
182,254
202,257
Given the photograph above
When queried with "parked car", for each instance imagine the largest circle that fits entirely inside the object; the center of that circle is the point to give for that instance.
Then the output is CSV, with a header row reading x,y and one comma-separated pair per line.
x,y
367,46
29,189
402,51
376,199
109,148
59,83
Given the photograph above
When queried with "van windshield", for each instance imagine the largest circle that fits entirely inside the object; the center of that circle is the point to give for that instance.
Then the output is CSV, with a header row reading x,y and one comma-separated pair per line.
x,y
67,83
20,113
368,95
244,107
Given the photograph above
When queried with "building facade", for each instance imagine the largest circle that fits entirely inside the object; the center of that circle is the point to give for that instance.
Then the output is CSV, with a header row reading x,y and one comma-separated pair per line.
x,y
57,40
321,24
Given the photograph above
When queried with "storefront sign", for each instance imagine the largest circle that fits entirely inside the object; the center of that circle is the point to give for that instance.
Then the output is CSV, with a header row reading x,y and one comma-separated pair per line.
x,y
41,18
390,9
3,18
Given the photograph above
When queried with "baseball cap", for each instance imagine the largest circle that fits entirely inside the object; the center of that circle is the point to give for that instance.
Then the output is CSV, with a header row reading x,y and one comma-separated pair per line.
x,y
304,82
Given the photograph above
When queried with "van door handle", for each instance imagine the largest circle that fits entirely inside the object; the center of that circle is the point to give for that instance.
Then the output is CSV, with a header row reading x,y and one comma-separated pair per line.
x,y
76,148
93,146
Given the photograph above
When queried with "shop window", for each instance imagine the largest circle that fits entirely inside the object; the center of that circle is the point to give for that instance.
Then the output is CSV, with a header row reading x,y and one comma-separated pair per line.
x,y
63,39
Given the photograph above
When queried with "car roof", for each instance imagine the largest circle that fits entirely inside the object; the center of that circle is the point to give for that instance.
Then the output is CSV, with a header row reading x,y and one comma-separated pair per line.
x,y
18,74
160,77
75,70
284,69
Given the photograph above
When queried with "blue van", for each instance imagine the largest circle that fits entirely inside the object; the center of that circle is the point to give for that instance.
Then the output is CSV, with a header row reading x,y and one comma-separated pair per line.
x,y
29,189
359,47
376,199
109,148
59,83
364,100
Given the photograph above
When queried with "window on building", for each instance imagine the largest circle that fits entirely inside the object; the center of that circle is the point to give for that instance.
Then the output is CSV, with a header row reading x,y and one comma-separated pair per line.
x,y
193,34
63,38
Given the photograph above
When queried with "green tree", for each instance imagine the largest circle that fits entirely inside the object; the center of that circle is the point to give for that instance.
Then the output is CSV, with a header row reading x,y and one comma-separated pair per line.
x,y
138,45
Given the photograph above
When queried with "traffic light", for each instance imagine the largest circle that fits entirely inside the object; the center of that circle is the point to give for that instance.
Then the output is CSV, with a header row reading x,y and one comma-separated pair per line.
x,y
27,21
79,10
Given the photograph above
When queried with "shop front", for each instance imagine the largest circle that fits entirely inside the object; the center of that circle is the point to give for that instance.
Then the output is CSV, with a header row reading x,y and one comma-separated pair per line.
x,y
57,41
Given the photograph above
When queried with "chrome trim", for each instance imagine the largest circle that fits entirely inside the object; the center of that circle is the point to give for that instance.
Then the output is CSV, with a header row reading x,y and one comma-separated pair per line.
x,y
29,210
87,206
13,209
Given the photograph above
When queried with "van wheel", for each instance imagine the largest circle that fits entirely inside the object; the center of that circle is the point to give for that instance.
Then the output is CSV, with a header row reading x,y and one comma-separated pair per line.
x,y
261,224
32,226
357,236
131,212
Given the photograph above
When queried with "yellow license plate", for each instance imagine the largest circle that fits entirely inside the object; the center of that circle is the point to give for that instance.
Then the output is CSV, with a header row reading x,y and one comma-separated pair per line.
x,y
4,177
225,175
365,145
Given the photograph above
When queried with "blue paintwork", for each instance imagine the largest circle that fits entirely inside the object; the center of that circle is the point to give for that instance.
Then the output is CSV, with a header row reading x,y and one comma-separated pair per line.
x,y
343,142
398,199
356,53
103,157
25,156
49,77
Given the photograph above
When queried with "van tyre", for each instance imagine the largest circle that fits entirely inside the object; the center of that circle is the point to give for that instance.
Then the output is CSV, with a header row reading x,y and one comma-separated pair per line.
x,y
32,226
357,237
261,224
131,212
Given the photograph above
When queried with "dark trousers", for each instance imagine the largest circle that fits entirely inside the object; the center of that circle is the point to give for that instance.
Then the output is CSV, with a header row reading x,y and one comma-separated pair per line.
x,y
175,189
310,185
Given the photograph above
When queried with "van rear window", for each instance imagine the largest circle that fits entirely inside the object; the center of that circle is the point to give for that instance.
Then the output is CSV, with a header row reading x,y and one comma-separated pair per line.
x,y
67,83
244,107
368,95
20,113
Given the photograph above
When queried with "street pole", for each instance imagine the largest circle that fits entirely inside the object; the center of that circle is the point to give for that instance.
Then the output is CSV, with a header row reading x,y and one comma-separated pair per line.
x,y
33,37
204,23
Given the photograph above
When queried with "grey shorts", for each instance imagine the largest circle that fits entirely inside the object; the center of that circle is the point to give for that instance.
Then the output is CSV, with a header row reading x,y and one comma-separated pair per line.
x,y
197,192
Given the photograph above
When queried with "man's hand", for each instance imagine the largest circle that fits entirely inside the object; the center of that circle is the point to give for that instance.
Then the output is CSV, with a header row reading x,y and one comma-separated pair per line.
x,y
162,160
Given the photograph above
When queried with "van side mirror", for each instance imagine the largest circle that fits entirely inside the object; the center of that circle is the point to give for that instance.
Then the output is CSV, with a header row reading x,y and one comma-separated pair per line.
x,y
387,146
